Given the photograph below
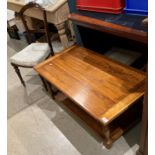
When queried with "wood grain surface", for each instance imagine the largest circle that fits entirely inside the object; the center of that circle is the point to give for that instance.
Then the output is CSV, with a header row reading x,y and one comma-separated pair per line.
x,y
100,86
115,29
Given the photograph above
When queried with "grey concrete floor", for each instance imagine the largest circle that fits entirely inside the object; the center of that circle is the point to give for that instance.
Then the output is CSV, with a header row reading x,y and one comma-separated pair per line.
x,y
37,125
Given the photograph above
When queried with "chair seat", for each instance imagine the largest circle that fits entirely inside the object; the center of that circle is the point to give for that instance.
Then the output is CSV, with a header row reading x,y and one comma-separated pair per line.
x,y
31,55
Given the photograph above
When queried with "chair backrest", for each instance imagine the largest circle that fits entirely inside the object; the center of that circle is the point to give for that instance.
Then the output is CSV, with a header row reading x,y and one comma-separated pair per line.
x,y
30,32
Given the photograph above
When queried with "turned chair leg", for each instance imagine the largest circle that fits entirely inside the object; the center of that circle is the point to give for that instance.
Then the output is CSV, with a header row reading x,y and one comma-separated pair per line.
x,y
19,74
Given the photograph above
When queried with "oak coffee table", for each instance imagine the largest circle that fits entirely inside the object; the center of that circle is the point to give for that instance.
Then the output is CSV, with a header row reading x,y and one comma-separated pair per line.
x,y
104,93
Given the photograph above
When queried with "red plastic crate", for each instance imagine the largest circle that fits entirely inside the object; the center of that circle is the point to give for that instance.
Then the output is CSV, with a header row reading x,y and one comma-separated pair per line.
x,y
107,6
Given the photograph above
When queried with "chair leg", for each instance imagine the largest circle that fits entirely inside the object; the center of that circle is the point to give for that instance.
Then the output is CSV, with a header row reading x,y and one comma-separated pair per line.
x,y
19,74
44,83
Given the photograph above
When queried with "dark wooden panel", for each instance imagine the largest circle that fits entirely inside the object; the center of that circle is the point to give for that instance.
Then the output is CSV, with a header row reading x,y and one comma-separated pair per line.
x,y
110,28
143,150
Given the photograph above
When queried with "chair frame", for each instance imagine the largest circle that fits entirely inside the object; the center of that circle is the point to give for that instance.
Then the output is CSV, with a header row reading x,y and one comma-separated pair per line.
x,y
30,32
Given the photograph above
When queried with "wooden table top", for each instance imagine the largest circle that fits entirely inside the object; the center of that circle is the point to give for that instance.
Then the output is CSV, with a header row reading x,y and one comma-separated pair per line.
x,y
49,8
102,87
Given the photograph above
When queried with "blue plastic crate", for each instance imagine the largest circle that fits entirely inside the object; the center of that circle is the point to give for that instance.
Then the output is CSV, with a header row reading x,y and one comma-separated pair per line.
x,y
138,7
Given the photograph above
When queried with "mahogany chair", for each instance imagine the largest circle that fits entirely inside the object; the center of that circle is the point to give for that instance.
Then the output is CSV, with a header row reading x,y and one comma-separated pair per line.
x,y
35,52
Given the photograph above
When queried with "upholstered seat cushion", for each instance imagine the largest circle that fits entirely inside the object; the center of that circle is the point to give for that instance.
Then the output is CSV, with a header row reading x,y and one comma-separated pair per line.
x,y
31,55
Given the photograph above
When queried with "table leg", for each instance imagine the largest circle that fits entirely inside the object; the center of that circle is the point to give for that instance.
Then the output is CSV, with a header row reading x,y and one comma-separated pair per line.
x,y
106,133
70,25
62,34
